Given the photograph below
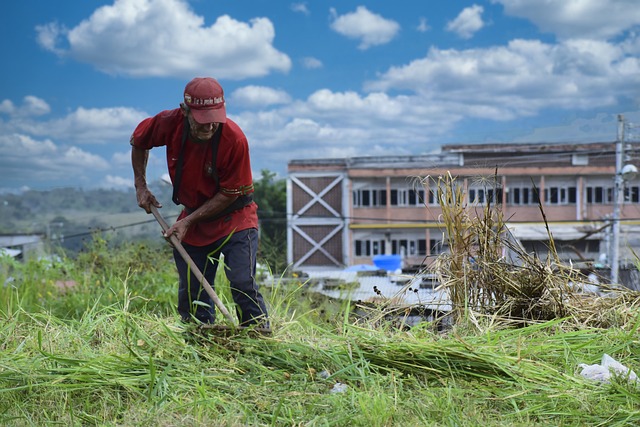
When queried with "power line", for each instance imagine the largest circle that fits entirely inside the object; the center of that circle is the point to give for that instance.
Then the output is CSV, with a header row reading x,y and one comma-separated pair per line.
x,y
283,217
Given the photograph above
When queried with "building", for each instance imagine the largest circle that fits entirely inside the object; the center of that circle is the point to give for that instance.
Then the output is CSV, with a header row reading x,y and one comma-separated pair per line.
x,y
345,211
21,246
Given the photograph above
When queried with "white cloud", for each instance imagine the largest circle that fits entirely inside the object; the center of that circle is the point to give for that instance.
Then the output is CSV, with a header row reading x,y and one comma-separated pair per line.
x,y
424,101
166,38
259,96
25,159
300,8
17,145
88,125
166,178
35,106
599,19
468,22
330,123
519,79
116,183
31,106
370,28
311,63
423,27
375,104
49,35
7,107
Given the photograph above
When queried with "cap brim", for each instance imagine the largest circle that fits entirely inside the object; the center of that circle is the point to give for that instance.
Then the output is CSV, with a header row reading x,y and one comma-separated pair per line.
x,y
209,115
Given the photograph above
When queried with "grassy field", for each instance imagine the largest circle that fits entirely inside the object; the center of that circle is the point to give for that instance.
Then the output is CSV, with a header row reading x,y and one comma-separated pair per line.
x,y
95,341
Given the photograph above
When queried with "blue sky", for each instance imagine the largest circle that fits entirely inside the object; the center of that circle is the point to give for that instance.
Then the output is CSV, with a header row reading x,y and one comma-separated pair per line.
x,y
308,79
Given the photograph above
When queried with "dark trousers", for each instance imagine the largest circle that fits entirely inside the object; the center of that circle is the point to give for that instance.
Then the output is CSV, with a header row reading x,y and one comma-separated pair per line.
x,y
240,268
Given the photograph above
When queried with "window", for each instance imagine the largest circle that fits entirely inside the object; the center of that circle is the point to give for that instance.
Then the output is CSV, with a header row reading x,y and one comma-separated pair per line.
x,y
369,247
399,246
366,198
522,196
409,247
494,195
416,197
422,247
369,198
476,196
406,197
377,246
377,197
482,196
560,195
433,198
599,195
363,248
394,198
632,194
436,195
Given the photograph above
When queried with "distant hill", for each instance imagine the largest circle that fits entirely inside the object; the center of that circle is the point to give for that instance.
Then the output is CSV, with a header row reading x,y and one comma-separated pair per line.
x,y
69,216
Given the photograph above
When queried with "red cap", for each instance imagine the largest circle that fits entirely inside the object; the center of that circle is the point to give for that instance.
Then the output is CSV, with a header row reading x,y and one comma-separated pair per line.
x,y
205,97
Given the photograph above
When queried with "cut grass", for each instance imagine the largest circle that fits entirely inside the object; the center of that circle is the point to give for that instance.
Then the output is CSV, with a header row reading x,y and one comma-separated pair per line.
x,y
117,367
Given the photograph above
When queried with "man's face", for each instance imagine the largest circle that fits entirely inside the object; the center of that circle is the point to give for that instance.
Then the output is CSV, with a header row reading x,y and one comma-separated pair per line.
x,y
199,131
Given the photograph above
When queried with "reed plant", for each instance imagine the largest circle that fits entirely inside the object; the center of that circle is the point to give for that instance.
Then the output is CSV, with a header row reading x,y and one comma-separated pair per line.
x,y
489,275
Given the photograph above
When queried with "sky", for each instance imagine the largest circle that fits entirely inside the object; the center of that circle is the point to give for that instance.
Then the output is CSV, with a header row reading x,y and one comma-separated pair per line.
x,y
308,79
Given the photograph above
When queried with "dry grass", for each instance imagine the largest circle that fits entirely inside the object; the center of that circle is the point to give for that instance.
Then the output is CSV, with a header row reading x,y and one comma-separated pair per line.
x,y
488,274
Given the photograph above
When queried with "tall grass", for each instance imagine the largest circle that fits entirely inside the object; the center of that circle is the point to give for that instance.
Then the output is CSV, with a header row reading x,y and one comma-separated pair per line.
x,y
111,351
488,274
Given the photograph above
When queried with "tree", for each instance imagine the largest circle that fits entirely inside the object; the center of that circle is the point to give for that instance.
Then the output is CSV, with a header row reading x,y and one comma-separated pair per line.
x,y
271,196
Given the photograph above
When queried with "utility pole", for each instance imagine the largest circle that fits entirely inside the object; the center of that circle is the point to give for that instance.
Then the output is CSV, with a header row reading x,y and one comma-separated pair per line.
x,y
618,195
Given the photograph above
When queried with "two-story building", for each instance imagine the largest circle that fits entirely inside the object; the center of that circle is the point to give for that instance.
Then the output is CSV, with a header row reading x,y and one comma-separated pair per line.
x,y
343,212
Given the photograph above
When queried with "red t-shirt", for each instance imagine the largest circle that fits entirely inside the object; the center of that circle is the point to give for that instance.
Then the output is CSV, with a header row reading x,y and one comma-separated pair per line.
x,y
197,183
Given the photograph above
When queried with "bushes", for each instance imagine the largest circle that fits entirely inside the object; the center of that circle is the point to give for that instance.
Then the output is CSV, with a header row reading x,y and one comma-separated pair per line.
x,y
100,276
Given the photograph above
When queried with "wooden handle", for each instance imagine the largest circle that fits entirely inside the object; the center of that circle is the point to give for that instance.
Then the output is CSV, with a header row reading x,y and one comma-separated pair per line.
x,y
194,268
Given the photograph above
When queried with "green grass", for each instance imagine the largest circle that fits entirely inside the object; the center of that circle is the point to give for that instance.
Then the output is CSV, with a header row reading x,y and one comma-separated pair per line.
x,y
111,351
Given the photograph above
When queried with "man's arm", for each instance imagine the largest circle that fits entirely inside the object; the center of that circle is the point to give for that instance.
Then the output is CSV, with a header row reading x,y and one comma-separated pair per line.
x,y
139,158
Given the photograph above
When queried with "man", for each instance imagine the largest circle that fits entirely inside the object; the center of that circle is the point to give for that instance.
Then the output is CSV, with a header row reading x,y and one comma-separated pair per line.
x,y
209,166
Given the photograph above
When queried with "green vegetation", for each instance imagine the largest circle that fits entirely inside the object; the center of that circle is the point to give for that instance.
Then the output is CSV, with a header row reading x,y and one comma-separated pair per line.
x,y
271,196
95,340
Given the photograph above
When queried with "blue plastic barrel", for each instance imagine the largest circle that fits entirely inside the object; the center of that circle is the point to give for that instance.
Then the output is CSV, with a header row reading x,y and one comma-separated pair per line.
x,y
388,262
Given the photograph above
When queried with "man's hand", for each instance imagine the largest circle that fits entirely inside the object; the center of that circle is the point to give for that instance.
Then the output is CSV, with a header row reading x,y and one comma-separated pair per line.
x,y
179,229
146,198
